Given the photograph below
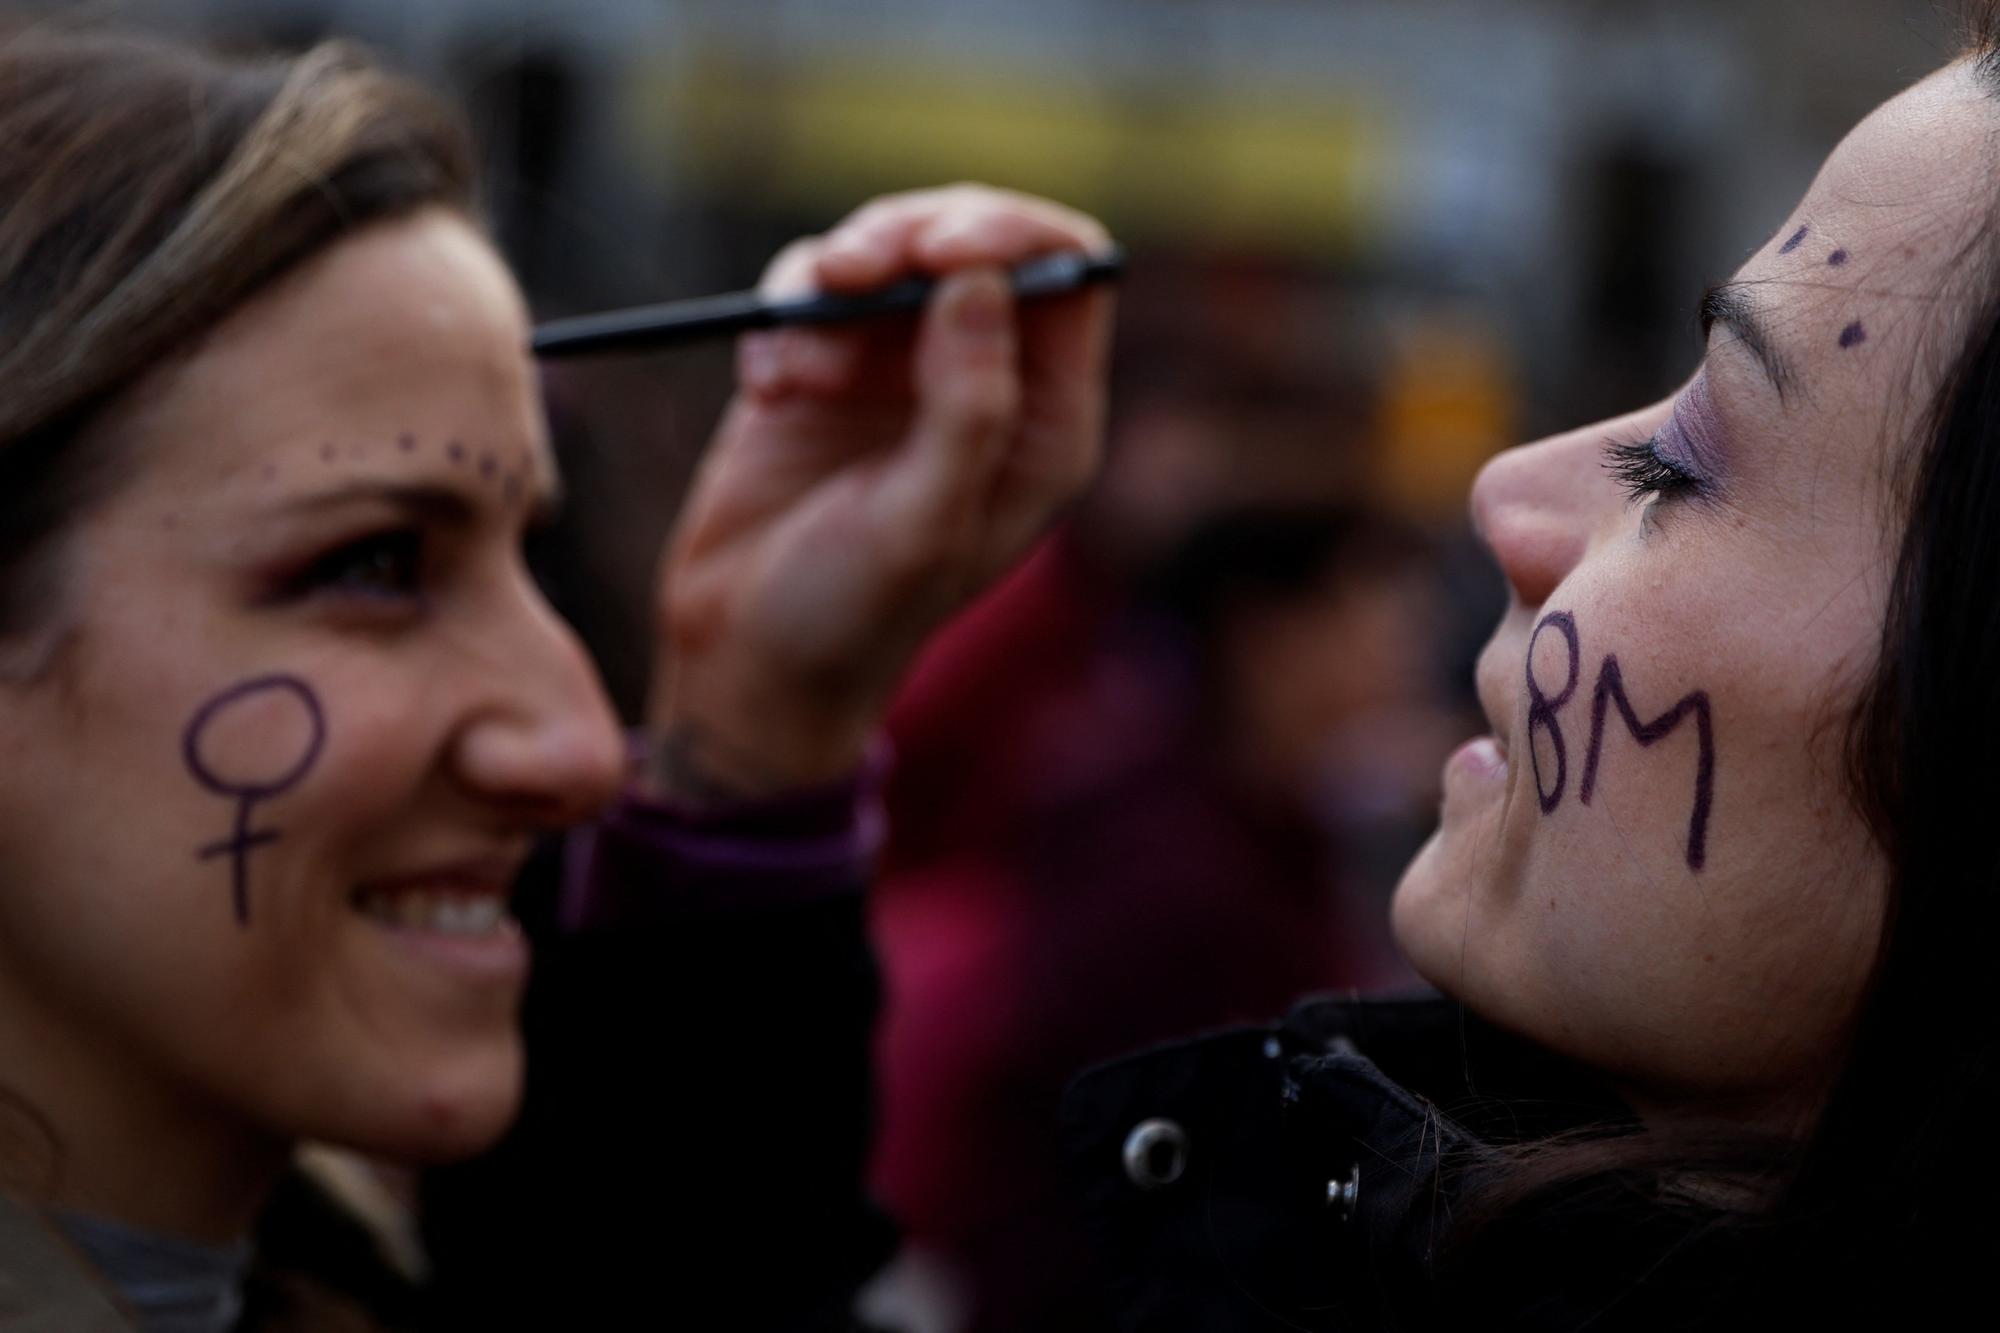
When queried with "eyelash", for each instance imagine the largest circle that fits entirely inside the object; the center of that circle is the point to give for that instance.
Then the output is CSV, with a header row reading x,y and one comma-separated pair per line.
x,y
1637,467
384,567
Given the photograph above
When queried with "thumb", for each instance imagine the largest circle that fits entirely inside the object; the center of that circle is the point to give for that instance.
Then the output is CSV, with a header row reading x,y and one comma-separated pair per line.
x,y
968,400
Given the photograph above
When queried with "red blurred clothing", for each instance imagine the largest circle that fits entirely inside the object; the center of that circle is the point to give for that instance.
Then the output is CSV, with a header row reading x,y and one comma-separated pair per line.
x,y
1072,872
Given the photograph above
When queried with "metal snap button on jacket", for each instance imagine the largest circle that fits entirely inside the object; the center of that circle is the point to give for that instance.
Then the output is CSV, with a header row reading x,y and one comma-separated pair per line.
x,y
1344,1194
1155,1154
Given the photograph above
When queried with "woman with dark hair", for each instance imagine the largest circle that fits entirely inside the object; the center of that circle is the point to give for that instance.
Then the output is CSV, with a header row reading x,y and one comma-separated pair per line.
x,y
1711,905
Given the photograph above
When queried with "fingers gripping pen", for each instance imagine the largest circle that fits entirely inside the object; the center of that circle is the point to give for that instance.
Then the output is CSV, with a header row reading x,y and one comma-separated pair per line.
x,y
720,316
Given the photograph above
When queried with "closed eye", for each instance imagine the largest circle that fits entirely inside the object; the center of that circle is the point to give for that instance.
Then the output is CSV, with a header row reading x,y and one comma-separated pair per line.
x,y
1640,470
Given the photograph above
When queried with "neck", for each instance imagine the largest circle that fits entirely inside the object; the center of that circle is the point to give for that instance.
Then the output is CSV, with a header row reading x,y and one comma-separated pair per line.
x,y
101,1132
1775,1114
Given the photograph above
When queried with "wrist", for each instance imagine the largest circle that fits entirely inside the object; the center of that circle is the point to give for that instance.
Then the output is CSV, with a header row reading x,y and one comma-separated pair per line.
x,y
649,859
715,749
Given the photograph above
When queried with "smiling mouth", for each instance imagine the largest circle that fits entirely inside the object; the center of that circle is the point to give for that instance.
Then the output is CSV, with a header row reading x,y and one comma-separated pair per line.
x,y
440,911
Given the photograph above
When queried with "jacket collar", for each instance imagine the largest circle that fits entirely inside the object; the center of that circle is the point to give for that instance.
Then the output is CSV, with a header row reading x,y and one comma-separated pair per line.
x,y
1305,1168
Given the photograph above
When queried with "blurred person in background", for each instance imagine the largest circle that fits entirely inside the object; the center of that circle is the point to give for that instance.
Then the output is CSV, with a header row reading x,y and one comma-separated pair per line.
x,y
1149,839
1160,779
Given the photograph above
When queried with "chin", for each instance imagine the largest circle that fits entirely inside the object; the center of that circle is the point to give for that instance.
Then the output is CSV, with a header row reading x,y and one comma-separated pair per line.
x,y
1430,914
448,1111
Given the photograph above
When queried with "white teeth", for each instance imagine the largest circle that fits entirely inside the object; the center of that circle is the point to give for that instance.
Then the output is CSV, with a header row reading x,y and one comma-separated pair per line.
x,y
445,913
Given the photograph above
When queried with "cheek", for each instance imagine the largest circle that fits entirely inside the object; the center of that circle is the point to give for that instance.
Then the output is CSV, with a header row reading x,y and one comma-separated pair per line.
x,y
1673,885
385,743
291,776
178,883
407,1063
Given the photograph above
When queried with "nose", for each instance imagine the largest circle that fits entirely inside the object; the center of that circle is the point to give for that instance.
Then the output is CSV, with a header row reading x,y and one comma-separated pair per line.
x,y
1538,506
542,740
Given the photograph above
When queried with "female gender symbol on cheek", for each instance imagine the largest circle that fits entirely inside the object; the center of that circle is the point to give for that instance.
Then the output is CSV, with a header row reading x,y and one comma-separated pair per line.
x,y
1542,709
249,788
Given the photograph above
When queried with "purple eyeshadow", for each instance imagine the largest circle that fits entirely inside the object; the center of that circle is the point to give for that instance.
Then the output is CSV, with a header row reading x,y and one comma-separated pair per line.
x,y
1693,437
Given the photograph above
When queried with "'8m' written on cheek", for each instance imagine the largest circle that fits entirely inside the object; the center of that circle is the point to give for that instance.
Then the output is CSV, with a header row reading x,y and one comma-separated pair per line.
x,y
1545,719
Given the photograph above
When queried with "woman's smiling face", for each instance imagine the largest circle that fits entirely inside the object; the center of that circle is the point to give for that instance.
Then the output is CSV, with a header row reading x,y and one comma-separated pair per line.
x,y
302,713
1655,866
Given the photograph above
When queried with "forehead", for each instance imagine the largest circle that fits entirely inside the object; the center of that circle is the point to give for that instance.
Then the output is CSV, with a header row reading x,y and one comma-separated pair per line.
x,y
1874,262
410,329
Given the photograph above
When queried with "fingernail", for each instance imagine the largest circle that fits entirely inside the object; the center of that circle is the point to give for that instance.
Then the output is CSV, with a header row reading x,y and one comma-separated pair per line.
x,y
981,308
944,238
849,251
757,361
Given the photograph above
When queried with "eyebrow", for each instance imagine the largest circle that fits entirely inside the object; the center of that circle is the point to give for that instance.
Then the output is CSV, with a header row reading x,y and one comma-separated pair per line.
x,y
442,504
1729,305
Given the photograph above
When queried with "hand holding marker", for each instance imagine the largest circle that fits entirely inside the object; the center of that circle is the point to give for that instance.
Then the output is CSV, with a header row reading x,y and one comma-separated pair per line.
x,y
738,312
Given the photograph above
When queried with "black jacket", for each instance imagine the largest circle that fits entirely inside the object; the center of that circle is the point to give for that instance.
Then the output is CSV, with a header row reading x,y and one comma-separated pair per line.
x,y
1304,1176
696,1126
691,1146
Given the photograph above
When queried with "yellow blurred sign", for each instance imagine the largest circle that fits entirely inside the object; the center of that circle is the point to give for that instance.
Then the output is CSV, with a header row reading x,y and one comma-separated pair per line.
x,y
1278,173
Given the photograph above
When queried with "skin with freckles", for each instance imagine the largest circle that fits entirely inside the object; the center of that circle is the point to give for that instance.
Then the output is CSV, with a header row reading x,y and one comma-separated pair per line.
x,y
452,718
1736,552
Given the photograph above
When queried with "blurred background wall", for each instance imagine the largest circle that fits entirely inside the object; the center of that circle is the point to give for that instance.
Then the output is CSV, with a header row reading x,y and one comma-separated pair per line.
x,y
1486,220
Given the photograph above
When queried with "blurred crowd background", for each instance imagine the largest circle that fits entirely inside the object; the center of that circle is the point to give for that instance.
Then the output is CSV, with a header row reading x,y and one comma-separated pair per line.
x,y
1165,776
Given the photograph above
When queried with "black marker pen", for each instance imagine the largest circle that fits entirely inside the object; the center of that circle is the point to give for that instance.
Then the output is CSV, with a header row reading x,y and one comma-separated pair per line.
x,y
720,316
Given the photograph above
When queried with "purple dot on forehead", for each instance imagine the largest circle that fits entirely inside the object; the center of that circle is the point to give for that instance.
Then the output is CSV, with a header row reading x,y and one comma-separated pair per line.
x,y
406,442
1798,239
1837,258
488,465
1853,335
326,453
455,452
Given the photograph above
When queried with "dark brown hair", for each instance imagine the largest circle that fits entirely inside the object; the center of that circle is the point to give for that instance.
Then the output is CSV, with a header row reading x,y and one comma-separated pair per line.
x,y
1897,1186
1883,1216
147,189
